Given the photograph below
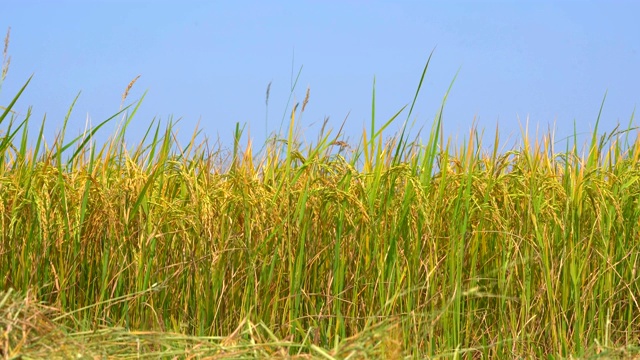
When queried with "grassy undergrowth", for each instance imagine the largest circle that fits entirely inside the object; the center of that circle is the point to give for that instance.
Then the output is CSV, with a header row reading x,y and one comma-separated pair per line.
x,y
384,248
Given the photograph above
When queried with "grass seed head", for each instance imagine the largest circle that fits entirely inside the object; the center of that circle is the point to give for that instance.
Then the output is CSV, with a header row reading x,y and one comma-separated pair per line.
x,y
6,59
306,100
126,92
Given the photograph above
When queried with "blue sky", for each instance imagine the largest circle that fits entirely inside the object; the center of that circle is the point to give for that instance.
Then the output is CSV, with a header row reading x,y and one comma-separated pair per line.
x,y
211,62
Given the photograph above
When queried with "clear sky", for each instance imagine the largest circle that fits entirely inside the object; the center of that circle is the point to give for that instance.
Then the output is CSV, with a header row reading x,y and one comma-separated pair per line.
x,y
211,61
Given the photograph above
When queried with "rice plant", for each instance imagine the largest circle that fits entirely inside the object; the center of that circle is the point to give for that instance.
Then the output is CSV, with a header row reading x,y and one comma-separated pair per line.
x,y
384,248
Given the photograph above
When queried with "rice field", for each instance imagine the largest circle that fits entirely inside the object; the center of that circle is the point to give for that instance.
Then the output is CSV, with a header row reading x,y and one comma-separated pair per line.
x,y
389,247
